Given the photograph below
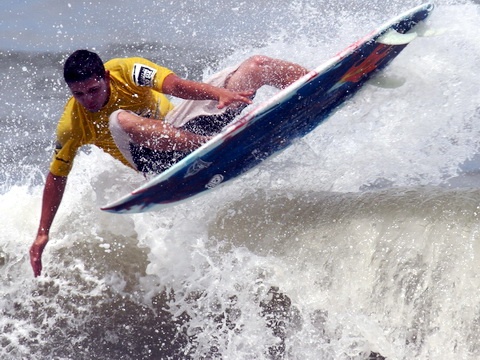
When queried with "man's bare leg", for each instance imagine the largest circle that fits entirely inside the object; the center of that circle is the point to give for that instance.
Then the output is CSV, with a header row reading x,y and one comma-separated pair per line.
x,y
156,134
260,70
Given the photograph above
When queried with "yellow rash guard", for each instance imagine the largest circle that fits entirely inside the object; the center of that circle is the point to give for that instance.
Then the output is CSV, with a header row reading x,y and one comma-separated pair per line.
x,y
136,85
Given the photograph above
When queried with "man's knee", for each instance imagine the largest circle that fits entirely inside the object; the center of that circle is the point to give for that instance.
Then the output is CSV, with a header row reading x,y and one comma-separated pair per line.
x,y
119,134
255,63
113,121
120,119
252,74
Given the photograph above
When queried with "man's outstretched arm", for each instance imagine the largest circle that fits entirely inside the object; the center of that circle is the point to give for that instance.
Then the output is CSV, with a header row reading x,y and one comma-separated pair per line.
x,y
52,197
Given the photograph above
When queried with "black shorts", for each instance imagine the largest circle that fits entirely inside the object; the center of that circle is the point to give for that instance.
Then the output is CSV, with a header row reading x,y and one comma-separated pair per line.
x,y
152,161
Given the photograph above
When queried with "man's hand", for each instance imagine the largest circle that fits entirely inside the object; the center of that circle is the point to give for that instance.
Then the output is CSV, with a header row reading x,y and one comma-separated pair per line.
x,y
36,251
187,89
227,97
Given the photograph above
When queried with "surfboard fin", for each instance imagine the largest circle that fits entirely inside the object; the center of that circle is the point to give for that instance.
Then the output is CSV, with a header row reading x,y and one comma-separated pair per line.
x,y
423,30
393,37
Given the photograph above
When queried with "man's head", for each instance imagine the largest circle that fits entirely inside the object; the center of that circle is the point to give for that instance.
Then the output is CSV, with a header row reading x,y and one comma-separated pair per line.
x,y
83,65
87,79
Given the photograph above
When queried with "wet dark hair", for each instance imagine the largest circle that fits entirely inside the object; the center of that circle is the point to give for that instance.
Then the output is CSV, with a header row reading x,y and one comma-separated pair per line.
x,y
82,65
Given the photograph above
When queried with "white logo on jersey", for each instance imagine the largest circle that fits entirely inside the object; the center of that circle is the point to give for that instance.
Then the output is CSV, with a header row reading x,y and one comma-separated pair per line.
x,y
143,75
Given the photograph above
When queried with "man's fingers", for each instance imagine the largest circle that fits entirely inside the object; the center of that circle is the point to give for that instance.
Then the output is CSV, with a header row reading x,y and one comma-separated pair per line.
x,y
36,260
36,264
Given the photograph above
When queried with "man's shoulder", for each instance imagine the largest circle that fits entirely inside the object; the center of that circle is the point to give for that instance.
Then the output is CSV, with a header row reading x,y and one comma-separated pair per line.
x,y
124,68
127,62
140,71
131,63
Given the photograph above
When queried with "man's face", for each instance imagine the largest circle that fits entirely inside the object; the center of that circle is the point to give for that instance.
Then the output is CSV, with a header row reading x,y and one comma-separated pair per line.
x,y
93,93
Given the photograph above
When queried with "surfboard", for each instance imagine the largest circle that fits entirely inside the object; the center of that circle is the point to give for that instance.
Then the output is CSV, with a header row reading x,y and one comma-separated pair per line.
x,y
274,124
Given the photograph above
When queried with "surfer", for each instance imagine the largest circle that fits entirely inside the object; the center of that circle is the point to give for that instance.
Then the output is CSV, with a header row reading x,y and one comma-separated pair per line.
x,y
121,107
